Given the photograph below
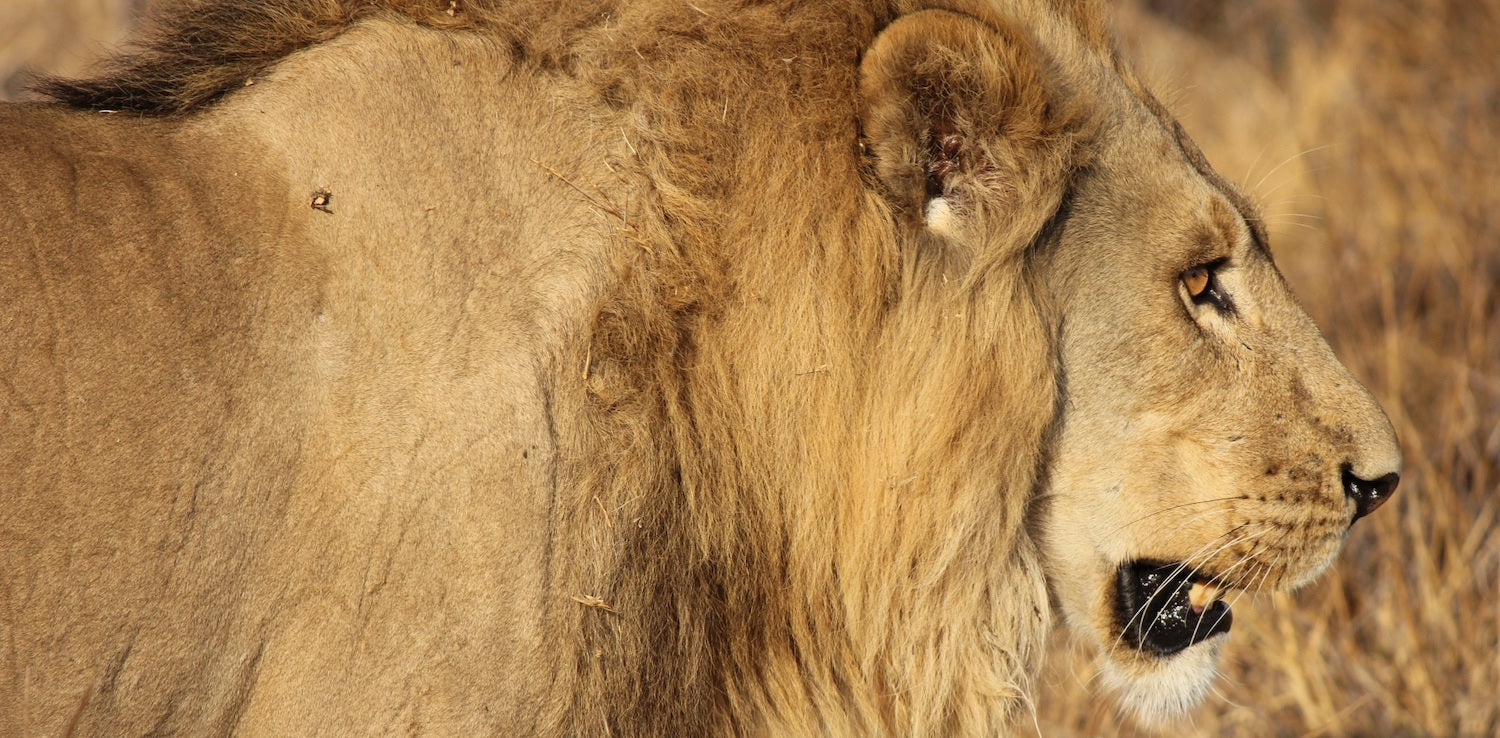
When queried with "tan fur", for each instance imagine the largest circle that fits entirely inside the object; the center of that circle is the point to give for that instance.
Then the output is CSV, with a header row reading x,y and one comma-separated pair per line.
x,y
631,368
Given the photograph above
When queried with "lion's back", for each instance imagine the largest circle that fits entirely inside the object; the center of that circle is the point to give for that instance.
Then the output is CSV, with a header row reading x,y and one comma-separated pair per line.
x,y
248,435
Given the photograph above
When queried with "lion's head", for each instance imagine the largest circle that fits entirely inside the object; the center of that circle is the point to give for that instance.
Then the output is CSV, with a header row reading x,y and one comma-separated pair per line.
x,y
1207,443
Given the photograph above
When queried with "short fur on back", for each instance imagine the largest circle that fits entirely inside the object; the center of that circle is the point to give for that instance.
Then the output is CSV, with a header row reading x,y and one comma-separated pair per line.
x,y
618,368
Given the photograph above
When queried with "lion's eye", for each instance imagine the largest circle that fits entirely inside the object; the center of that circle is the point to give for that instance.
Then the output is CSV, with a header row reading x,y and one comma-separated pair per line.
x,y
1196,281
1202,285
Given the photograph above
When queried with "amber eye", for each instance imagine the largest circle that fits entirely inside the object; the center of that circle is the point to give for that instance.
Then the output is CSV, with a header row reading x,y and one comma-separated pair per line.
x,y
1202,283
1196,280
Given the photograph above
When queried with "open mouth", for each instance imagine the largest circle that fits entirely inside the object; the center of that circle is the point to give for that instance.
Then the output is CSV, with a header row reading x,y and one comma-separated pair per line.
x,y
1164,608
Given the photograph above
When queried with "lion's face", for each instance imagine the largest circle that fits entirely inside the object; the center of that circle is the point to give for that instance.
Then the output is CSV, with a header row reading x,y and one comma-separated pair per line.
x,y
1208,442
1205,442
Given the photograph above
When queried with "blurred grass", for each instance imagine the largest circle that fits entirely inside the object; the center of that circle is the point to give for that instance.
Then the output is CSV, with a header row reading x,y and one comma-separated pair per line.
x,y
1367,130
57,37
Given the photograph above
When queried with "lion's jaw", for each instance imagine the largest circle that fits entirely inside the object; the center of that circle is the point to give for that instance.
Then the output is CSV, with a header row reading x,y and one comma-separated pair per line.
x,y
1205,446
1085,554
1170,689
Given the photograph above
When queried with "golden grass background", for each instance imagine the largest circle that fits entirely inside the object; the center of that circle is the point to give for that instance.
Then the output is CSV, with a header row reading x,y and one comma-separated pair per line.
x,y
1369,131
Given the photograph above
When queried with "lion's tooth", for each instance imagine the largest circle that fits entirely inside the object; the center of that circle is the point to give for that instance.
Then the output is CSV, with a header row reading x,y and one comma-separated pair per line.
x,y
1202,595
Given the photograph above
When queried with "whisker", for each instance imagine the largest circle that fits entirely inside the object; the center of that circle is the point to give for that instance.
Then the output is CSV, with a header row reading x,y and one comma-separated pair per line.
x,y
1294,216
1296,196
1242,560
1178,506
1198,516
1307,226
1245,558
1210,555
1295,219
1294,199
1285,162
1214,687
1239,595
1264,575
1185,565
1258,156
1266,196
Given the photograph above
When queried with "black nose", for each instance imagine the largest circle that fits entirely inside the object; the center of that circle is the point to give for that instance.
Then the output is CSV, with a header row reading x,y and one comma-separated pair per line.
x,y
1368,494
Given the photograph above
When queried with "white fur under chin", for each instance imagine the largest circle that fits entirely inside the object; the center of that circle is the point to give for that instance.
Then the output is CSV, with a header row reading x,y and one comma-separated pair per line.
x,y
1171,688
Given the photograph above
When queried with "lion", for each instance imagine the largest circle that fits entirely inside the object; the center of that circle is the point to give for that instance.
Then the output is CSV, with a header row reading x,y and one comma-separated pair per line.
x,y
638,368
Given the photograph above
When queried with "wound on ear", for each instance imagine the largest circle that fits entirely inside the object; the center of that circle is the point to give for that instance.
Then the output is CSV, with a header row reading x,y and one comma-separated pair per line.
x,y
943,149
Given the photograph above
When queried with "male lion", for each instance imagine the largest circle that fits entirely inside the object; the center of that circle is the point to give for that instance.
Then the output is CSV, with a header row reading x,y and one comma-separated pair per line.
x,y
637,368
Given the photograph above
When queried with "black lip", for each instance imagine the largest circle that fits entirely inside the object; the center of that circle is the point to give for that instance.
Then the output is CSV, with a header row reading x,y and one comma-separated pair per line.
x,y
1155,616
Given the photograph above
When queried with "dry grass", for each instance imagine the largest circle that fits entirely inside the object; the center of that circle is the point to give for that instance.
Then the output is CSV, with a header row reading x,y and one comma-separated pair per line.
x,y
1368,131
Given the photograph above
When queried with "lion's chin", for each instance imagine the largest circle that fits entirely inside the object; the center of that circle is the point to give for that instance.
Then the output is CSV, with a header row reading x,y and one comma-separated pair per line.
x,y
1161,689
1171,627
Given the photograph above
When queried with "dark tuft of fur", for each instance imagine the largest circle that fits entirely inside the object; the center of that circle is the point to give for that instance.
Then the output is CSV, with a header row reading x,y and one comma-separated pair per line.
x,y
194,55
198,50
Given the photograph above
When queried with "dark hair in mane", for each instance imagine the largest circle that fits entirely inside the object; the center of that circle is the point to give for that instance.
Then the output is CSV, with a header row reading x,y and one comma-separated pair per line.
x,y
192,52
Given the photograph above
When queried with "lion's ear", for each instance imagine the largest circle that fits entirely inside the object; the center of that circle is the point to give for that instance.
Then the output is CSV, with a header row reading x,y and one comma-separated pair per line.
x,y
968,138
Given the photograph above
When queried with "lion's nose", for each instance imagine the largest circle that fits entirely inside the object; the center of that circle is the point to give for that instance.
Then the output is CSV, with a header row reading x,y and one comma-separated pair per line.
x,y
1368,494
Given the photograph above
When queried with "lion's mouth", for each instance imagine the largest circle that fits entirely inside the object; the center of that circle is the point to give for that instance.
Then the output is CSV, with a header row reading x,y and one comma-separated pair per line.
x,y
1164,608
